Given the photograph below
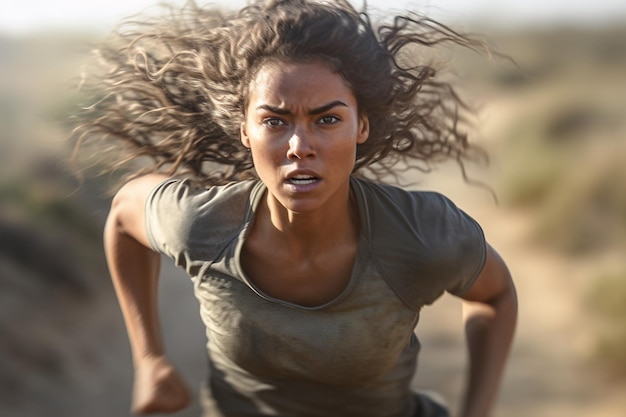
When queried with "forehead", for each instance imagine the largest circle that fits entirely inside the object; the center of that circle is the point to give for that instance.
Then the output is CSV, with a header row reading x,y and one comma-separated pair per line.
x,y
298,83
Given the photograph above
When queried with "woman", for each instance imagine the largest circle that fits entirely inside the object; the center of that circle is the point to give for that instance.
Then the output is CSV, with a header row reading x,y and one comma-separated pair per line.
x,y
310,278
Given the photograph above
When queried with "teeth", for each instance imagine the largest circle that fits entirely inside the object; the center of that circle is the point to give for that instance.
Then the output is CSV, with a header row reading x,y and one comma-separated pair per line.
x,y
302,179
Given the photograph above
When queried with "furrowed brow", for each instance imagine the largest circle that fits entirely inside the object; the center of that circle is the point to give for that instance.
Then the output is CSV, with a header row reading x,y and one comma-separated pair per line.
x,y
326,107
318,110
273,109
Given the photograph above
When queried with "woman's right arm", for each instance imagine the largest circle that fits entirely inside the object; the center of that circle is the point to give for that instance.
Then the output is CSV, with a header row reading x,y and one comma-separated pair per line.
x,y
134,269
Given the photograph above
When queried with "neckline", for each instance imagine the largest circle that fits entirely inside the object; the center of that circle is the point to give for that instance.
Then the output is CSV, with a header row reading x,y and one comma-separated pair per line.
x,y
254,200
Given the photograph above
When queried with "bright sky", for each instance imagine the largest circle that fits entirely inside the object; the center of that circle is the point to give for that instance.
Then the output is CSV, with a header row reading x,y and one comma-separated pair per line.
x,y
26,16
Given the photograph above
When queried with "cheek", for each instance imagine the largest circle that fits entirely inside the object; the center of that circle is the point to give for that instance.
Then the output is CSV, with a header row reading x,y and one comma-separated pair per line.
x,y
267,152
344,143
342,156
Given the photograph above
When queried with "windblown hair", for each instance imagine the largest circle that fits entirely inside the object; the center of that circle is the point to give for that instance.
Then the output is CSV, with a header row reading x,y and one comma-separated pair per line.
x,y
175,89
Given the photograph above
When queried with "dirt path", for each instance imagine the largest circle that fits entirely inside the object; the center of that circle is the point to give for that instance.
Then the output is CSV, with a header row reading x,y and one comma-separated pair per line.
x,y
549,373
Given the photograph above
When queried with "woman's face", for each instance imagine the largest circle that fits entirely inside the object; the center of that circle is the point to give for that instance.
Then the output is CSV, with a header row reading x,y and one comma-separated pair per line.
x,y
302,126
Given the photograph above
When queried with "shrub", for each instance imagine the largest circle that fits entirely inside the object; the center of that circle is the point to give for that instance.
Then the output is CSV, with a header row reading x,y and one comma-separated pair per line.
x,y
607,300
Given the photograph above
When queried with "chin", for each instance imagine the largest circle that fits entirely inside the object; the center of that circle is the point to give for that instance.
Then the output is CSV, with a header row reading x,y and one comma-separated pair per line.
x,y
300,206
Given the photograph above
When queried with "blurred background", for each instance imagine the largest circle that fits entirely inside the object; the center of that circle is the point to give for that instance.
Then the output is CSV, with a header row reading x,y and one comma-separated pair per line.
x,y
556,133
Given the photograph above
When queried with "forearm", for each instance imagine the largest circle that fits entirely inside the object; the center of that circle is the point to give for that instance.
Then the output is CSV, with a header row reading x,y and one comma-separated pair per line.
x,y
489,330
134,269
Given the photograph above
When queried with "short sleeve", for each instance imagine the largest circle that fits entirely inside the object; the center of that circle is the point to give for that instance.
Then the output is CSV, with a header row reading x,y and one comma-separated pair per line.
x,y
193,225
422,243
168,213
468,248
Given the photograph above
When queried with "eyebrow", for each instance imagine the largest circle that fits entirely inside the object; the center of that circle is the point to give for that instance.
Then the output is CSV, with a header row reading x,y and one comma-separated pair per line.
x,y
317,110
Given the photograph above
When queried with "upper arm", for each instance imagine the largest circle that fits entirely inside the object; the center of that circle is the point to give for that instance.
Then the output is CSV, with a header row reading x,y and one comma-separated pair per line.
x,y
493,281
127,213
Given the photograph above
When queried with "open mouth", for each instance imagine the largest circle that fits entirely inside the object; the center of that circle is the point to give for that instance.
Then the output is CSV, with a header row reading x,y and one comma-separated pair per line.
x,y
302,180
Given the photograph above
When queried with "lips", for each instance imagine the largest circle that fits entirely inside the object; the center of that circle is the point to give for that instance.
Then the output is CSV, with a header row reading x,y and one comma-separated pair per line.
x,y
302,179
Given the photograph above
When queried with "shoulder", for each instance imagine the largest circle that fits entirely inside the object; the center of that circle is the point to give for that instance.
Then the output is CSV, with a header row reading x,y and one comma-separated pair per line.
x,y
179,213
387,195
421,242
184,191
182,198
420,214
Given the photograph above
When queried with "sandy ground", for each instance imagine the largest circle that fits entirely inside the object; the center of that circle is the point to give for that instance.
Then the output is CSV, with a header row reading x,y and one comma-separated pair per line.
x,y
550,372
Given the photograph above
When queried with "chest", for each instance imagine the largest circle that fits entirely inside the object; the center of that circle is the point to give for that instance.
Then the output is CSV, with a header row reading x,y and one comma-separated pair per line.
x,y
358,338
309,281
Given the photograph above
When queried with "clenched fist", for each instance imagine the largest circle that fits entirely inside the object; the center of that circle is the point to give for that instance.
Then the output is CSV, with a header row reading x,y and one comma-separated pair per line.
x,y
158,387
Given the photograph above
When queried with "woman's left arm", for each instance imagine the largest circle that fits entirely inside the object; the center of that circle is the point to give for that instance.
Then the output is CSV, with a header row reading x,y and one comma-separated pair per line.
x,y
490,316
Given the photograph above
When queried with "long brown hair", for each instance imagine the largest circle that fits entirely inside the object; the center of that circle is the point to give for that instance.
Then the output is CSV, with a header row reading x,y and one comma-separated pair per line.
x,y
174,89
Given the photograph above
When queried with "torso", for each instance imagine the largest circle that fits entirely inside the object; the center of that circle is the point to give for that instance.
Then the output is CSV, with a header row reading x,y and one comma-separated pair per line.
x,y
342,345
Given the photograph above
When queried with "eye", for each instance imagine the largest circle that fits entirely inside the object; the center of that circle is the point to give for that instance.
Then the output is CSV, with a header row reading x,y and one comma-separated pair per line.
x,y
328,120
273,122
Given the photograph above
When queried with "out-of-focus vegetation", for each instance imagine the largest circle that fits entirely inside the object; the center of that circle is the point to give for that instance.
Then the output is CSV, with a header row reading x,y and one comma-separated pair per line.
x,y
563,159
556,132
58,329
565,153
606,299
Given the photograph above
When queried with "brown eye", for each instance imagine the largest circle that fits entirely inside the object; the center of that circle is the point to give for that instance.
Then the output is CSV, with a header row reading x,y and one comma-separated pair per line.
x,y
328,120
273,122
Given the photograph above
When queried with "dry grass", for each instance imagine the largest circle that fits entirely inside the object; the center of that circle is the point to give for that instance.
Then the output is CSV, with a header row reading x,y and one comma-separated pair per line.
x,y
606,298
564,163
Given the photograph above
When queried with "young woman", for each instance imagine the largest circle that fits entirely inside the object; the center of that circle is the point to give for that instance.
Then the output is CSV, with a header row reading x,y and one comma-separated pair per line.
x,y
310,278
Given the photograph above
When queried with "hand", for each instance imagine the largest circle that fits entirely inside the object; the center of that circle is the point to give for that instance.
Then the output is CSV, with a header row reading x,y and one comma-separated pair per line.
x,y
158,387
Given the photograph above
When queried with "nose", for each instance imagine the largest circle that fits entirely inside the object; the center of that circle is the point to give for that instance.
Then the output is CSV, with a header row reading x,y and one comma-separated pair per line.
x,y
300,145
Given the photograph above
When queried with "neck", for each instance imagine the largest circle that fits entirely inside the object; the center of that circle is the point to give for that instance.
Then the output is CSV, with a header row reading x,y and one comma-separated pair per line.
x,y
312,231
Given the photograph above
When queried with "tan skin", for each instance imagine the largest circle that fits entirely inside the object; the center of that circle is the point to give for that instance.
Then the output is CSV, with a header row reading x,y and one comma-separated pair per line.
x,y
295,129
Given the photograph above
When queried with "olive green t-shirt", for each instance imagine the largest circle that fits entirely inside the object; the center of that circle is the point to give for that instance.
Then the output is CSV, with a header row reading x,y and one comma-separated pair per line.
x,y
353,356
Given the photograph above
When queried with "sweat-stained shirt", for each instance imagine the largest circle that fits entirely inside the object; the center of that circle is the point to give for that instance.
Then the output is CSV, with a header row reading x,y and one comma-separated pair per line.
x,y
353,356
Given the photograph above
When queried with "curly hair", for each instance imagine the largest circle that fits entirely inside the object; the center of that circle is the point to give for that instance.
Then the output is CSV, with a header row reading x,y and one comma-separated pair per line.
x,y
175,88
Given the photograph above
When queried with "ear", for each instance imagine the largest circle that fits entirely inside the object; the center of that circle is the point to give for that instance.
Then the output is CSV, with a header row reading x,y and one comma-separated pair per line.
x,y
363,129
245,140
